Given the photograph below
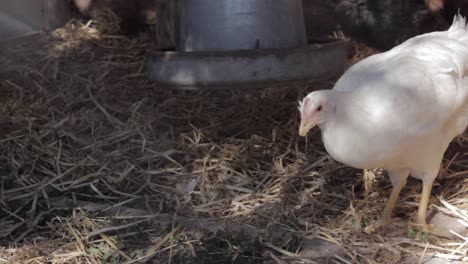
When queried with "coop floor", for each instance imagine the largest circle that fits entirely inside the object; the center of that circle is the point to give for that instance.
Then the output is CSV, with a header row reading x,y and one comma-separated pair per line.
x,y
98,164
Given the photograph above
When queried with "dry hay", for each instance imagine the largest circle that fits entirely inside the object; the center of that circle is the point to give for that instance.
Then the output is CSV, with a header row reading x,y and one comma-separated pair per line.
x,y
98,164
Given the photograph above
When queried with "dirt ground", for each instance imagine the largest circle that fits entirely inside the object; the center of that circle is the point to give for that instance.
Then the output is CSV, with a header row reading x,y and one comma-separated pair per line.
x,y
100,165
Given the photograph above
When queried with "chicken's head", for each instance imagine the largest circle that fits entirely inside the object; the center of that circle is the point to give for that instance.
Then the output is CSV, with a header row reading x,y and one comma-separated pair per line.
x,y
316,108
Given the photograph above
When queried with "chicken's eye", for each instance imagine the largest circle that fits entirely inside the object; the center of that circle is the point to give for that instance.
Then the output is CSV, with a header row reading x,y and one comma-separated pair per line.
x,y
319,108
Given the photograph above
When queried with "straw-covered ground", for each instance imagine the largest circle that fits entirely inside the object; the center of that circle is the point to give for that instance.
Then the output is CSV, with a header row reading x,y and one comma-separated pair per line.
x,y
99,165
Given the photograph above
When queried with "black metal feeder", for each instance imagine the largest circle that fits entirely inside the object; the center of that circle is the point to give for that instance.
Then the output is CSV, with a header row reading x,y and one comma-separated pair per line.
x,y
244,43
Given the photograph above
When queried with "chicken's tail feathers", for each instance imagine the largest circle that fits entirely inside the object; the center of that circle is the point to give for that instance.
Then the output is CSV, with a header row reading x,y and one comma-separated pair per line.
x,y
458,31
459,23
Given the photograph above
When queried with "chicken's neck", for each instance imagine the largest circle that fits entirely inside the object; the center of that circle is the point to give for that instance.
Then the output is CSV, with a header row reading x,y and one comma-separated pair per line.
x,y
336,99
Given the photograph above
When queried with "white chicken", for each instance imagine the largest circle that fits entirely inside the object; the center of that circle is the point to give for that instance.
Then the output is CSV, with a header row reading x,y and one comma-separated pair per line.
x,y
397,110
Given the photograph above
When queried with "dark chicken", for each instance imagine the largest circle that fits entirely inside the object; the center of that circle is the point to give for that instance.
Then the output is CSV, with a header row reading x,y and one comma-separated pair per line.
x,y
134,15
383,24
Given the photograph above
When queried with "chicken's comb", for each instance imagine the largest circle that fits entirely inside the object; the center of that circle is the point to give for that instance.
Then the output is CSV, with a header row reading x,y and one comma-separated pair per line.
x,y
303,104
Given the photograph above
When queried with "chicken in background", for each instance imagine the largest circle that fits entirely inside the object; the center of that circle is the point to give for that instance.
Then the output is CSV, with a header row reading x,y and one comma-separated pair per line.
x,y
383,24
134,16
159,17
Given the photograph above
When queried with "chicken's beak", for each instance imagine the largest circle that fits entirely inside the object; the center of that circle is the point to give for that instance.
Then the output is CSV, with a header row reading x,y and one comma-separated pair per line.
x,y
304,127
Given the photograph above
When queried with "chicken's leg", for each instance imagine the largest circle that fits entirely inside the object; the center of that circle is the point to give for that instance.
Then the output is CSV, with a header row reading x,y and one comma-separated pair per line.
x,y
421,217
386,217
398,181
